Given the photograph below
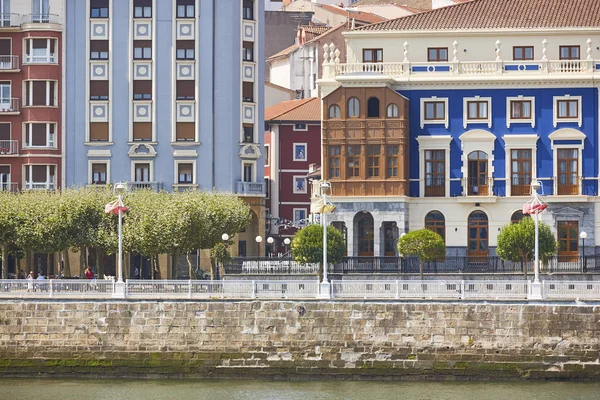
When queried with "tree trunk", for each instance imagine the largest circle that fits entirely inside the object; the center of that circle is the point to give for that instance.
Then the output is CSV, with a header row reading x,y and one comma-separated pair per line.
x,y
189,262
320,273
212,269
67,268
82,261
4,261
421,269
157,268
524,267
126,263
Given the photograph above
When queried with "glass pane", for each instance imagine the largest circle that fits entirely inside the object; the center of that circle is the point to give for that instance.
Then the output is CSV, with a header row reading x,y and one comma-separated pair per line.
x,y
472,245
526,109
439,110
515,166
432,54
529,53
483,110
573,245
573,108
518,52
472,233
472,110
562,109
443,54
429,111
575,52
483,245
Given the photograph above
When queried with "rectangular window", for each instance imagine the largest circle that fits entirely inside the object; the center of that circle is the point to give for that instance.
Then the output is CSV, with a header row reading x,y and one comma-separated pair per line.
x,y
142,49
520,109
373,156
5,49
40,11
142,90
186,90
98,131
568,169
248,91
248,9
523,53
267,155
142,8
99,49
40,177
98,90
6,103
5,131
40,93
568,108
40,51
40,135
435,173
248,172
520,172
435,111
99,173
334,161
185,9
185,172
248,51
185,132
437,54
569,52
300,216
568,241
391,153
477,110
186,49
353,160
142,131
142,172
248,134
267,188
372,55
98,8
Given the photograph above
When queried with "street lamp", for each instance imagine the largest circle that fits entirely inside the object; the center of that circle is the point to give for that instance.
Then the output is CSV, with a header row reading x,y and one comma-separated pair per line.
x,y
583,236
287,242
258,240
225,237
325,287
270,240
536,287
120,188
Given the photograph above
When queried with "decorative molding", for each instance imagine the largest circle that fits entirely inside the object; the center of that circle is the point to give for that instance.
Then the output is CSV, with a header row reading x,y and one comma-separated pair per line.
x,y
99,70
185,30
250,151
477,140
556,120
184,153
142,111
185,111
99,111
98,153
434,143
142,70
139,150
444,121
567,134
98,29
530,120
185,70
466,119
567,214
142,30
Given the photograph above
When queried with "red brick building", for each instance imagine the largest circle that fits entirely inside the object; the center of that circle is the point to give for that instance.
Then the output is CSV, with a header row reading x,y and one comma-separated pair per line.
x,y
292,143
31,145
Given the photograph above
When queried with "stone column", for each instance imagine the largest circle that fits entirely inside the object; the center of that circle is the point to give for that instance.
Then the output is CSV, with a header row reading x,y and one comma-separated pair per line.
x,y
349,221
377,248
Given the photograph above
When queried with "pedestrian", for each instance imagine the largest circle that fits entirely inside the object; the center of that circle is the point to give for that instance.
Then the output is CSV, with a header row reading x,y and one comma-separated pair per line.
x,y
41,276
88,273
22,274
136,273
30,281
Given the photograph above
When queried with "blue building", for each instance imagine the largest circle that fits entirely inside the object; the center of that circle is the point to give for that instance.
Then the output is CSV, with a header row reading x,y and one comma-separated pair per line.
x,y
498,94
167,94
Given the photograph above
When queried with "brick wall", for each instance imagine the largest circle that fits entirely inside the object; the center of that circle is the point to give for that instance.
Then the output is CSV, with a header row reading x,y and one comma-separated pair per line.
x,y
329,339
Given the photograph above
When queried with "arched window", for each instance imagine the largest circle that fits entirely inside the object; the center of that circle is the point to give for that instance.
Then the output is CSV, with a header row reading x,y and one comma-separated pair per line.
x,y
334,111
373,108
435,221
517,217
392,111
353,107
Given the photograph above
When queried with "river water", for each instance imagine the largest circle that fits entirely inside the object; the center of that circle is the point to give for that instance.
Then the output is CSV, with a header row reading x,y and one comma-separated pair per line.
x,y
66,389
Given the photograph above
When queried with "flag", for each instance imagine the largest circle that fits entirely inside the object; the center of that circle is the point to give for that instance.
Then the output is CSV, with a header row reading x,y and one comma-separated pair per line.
x,y
115,206
322,206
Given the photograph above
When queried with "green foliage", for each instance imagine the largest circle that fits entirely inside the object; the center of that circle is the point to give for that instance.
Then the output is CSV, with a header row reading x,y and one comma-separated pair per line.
x,y
423,243
307,245
516,242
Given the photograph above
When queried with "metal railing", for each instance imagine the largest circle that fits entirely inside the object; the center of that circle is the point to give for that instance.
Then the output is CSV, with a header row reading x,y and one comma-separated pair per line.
x,y
8,20
56,288
571,290
520,187
435,187
49,58
478,186
273,266
9,187
154,186
44,18
9,147
9,105
9,62
250,187
39,186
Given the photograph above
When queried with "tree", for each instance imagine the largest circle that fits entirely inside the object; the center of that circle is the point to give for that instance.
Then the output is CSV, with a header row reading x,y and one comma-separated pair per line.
x,y
516,242
8,227
423,243
307,246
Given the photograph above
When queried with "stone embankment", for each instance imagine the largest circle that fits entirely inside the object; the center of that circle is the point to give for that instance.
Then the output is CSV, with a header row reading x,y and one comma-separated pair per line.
x,y
300,340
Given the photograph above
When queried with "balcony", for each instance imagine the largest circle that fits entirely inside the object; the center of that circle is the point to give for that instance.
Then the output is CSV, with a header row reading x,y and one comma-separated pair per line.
x,y
10,20
520,187
49,58
39,186
40,19
251,188
9,106
9,63
153,186
567,185
9,147
435,187
9,187
477,186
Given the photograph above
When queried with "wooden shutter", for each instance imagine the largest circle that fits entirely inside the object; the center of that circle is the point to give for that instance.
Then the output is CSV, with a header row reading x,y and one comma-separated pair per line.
x,y
98,131
185,131
142,131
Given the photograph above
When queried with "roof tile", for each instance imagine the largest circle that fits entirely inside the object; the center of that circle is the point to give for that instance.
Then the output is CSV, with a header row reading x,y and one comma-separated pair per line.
x,y
308,109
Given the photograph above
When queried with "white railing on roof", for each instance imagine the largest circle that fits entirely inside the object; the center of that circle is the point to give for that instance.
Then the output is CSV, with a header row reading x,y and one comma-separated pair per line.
x,y
582,290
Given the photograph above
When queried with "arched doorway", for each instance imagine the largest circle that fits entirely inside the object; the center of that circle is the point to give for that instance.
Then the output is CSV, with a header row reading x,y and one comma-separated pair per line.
x,y
478,174
478,235
366,234
517,216
435,221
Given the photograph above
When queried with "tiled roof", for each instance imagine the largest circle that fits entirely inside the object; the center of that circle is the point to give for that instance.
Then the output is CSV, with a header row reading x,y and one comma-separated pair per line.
x,y
295,110
357,15
497,14
284,52
315,29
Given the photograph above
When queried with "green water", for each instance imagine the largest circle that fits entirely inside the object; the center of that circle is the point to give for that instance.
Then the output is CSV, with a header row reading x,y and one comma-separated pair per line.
x,y
66,389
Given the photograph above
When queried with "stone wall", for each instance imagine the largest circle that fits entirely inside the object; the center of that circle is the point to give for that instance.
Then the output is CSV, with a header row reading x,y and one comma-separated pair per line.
x,y
301,340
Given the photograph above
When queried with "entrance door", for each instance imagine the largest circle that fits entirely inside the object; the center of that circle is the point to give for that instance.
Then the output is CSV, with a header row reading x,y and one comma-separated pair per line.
x,y
478,237
366,239
390,235
568,160
568,241
478,174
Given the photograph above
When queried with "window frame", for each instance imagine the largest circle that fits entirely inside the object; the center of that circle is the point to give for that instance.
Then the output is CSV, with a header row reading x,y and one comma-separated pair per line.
x,y
348,108
178,174
186,10
50,182
134,164
520,160
106,162
373,161
434,175
51,95
434,225
477,100
295,189
519,142
99,16
437,51
51,137
395,110
353,171
374,52
298,146
570,119
523,50
335,166
509,115
392,160
337,111
437,142
304,210
570,49
49,57
442,121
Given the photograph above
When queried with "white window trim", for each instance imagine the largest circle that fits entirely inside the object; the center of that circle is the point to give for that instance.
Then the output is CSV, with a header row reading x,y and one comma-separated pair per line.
x,y
300,209
27,132
253,162
99,161
444,121
294,190
305,152
467,121
28,94
268,154
150,173
50,183
510,121
300,130
477,140
51,58
176,172
566,134
434,143
514,142
555,118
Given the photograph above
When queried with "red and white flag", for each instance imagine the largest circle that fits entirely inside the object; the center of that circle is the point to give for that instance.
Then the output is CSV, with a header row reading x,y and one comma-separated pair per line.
x,y
115,206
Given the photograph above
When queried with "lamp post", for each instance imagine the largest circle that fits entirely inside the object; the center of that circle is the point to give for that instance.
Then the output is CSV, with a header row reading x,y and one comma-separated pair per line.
x,y
270,240
258,240
225,238
536,287
120,188
287,242
583,236
325,286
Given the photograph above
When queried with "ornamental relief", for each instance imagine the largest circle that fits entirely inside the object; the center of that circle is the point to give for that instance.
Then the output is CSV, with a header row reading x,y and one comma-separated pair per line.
x,y
374,124
335,125
355,124
395,124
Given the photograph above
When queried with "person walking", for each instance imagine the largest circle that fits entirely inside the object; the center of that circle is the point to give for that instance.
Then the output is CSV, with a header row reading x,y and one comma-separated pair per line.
x,y
30,281
88,273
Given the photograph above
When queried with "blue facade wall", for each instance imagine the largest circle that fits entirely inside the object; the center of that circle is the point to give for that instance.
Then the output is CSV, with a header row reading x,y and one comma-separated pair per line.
x,y
543,128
